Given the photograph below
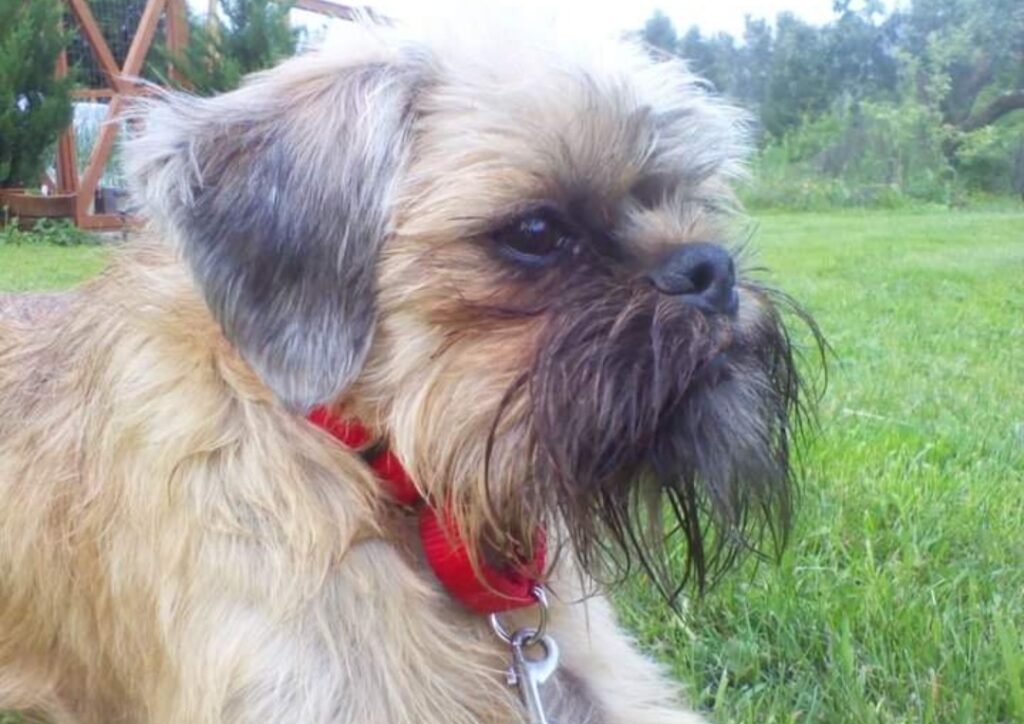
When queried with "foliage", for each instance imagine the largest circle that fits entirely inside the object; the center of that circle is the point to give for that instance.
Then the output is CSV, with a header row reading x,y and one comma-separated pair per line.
x,y
251,35
923,103
34,106
57,232
861,154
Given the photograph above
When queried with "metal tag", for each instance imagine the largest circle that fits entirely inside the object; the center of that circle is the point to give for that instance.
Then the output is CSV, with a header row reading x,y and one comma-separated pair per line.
x,y
529,674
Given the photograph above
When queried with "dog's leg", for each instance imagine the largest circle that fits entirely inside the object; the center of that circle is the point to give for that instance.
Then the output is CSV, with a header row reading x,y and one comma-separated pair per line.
x,y
371,646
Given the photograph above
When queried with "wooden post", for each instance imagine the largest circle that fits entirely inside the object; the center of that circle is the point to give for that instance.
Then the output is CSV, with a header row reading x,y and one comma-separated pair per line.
x,y
177,35
67,164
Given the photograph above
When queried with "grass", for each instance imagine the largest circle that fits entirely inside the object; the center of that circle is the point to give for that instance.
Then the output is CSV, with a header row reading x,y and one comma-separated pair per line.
x,y
901,596
47,266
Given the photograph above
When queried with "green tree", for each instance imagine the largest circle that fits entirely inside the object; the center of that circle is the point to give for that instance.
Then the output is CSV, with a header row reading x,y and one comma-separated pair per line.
x,y
34,106
252,35
926,101
714,58
754,62
798,84
859,50
660,32
970,57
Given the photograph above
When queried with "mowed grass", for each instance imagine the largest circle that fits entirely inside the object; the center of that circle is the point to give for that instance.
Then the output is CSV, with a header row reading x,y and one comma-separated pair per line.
x,y
44,266
901,596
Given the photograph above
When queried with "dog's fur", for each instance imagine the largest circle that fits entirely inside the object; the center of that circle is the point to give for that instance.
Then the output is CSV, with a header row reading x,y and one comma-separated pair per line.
x,y
177,544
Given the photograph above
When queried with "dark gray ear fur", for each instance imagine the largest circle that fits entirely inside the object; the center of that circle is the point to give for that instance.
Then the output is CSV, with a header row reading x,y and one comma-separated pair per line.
x,y
279,197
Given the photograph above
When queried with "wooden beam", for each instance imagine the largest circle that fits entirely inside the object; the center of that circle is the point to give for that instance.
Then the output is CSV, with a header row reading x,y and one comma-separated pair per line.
x,y
94,37
141,42
177,35
67,164
98,159
143,38
103,222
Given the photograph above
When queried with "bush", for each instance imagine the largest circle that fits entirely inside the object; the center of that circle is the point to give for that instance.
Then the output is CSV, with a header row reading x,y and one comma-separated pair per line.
x,y
34,106
991,159
860,154
46,231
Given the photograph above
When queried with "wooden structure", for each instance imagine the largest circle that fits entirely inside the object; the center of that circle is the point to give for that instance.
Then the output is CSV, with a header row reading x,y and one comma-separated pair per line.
x,y
116,91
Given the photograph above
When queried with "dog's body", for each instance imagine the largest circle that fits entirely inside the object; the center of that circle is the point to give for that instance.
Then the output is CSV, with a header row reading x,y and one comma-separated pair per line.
x,y
176,548
178,543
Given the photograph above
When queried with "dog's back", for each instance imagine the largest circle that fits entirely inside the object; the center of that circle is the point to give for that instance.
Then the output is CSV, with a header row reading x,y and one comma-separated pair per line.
x,y
56,395
88,447
32,308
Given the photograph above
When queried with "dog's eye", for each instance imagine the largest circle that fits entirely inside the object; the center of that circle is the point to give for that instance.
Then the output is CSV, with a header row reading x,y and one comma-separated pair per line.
x,y
536,238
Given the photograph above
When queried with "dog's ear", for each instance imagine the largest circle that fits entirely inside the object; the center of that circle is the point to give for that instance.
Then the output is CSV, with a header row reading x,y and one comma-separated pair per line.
x,y
278,195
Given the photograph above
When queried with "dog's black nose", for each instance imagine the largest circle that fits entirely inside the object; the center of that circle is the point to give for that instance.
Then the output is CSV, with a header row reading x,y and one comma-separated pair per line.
x,y
700,274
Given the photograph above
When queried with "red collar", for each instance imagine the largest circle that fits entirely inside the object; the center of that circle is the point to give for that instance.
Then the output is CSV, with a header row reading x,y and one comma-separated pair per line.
x,y
495,589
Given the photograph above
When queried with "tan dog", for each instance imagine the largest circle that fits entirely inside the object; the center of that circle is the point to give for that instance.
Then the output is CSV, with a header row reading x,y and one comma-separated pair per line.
x,y
504,257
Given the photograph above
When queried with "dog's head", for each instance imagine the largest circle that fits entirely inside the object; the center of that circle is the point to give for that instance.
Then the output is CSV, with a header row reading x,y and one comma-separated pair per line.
x,y
514,261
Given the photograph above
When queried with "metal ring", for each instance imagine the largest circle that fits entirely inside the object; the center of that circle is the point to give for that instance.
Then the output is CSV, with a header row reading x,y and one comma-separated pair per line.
x,y
540,595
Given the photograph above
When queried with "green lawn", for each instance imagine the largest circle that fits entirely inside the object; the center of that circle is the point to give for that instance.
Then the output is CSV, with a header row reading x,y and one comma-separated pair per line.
x,y
47,266
901,597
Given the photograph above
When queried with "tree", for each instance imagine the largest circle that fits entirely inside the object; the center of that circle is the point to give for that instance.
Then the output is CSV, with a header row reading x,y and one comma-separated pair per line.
x,y
798,83
930,94
253,35
712,58
754,62
661,33
34,105
969,57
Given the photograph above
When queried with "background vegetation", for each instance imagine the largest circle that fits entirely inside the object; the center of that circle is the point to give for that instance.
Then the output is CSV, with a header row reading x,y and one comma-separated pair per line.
x,y
874,108
247,36
34,105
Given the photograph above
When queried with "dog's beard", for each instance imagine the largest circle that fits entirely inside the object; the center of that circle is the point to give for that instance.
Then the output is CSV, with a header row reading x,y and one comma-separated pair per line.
x,y
654,426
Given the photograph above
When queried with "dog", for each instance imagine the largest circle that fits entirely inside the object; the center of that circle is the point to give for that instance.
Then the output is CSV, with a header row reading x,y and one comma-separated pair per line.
x,y
505,257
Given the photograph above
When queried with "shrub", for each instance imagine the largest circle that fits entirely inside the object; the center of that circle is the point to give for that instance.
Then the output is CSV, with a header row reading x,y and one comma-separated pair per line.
x,y
34,106
46,231
868,153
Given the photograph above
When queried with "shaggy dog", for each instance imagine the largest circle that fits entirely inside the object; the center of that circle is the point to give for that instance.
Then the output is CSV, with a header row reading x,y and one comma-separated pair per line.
x,y
506,257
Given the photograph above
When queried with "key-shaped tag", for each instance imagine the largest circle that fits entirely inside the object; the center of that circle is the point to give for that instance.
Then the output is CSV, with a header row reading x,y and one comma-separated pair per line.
x,y
529,673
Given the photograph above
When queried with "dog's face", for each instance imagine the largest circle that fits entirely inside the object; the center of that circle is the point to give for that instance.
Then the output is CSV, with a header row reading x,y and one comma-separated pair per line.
x,y
511,259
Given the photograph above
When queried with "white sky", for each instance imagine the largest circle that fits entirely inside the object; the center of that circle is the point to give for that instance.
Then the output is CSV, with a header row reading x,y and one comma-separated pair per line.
x,y
613,15
618,15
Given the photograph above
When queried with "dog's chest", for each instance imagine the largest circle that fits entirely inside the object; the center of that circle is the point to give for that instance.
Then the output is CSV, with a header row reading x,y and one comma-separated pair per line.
x,y
564,696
